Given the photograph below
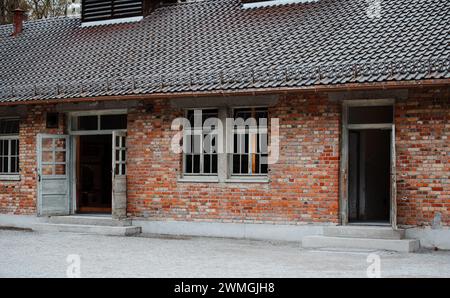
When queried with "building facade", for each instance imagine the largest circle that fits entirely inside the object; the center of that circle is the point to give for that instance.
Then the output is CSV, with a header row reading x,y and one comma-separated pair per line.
x,y
363,144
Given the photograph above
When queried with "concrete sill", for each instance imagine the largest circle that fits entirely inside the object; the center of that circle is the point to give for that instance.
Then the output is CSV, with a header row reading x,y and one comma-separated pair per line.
x,y
9,177
198,179
248,180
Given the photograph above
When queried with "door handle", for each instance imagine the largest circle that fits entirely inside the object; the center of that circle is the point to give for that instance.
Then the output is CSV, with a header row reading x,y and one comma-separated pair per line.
x,y
39,177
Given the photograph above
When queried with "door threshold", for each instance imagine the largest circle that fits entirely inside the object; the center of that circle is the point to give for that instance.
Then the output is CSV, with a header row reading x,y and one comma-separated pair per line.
x,y
93,215
370,223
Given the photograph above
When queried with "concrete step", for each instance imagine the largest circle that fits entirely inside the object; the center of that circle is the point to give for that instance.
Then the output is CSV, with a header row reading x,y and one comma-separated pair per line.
x,y
89,229
89,221
404,245
364,232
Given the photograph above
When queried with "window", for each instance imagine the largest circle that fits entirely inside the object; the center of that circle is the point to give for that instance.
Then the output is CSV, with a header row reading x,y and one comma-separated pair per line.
x,y
250,142
52,120
9,146
99,122
200,143
370,114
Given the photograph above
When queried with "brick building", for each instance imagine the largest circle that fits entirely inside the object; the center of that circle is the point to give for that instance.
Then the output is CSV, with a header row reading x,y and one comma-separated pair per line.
x,y
360,91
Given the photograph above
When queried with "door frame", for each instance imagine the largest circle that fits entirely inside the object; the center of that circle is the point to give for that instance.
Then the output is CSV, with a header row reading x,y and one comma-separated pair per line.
x,y
74,145
344,156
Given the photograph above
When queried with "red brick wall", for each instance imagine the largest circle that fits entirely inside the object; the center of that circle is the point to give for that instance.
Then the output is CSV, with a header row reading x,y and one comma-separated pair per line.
x,y
423,157
304,183
19,197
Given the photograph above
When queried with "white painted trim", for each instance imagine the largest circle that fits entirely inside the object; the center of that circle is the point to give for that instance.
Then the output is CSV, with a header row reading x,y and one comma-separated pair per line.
x,y
111,22
273,2
9,177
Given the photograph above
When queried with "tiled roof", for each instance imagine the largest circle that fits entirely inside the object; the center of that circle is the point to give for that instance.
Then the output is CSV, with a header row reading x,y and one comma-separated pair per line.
x,y
217,45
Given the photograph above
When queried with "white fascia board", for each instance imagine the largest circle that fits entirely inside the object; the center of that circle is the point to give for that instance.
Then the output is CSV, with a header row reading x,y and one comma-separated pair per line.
x,y
273,3
112,21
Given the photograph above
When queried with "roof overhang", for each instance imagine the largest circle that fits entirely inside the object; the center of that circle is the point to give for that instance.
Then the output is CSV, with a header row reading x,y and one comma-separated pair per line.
x,y
247,92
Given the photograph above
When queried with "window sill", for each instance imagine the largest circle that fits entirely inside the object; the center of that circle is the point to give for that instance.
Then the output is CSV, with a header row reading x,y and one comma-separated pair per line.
x,y
9,177
248,180
199,179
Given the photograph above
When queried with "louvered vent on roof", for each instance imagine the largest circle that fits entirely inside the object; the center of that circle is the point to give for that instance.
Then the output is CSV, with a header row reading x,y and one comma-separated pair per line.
x,y
100,10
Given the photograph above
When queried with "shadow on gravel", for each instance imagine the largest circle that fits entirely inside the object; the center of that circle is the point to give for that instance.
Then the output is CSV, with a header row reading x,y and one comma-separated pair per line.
x,y
2,228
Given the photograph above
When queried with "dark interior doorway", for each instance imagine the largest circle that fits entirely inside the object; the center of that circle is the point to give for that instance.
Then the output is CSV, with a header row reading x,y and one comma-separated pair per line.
x,y
94,176
369,175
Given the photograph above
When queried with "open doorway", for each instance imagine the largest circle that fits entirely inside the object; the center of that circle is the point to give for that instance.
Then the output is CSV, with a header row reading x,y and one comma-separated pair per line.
x,y
94,174
368,170
369,175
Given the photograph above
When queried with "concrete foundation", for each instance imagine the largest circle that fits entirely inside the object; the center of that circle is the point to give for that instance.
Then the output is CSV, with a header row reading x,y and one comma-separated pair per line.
x,y
230,230
429,238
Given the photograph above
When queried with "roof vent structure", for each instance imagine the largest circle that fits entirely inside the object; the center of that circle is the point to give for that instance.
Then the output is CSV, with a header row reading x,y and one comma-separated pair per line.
x,y
104,12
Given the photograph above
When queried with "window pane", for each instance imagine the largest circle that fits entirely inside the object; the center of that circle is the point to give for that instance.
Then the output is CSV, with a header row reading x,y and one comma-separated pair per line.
x,y
47,156
236,164
370,115
60,169
214,164
257,164
244,164
3,164
207,164
243,113
264,165
60,144
60,156
188,167
4,148
9,126
14,164
113,122
196,164
14,147
205,114
47,144
47,170
87,123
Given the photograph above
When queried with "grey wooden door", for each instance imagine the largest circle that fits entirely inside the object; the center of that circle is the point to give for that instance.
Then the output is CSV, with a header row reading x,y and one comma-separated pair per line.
x,y
53,174
393,180
119,196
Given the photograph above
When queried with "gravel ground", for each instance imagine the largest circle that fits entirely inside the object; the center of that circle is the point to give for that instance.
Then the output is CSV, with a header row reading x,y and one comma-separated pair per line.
x,y
32,254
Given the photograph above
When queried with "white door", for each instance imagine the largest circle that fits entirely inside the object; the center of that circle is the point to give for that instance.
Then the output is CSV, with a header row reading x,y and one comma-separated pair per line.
x,y
119,193
53,174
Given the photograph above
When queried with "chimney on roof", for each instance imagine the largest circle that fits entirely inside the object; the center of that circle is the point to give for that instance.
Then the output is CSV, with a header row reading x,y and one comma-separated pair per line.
x,y
19,16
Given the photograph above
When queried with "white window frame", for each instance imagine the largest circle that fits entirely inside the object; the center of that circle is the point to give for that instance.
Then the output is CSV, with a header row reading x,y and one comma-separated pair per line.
x,y
225,162
231,155
98,114
9,138
208,177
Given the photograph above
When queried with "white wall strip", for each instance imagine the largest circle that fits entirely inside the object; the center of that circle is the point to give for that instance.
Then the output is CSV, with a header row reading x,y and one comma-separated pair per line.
x,y
273,2
112,22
